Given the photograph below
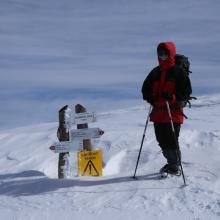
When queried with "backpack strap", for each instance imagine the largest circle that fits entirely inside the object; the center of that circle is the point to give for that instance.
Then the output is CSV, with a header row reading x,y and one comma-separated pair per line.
x,y
191,98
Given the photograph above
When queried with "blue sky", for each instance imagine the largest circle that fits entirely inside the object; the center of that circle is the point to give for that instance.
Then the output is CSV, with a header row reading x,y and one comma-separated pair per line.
x,y
96,52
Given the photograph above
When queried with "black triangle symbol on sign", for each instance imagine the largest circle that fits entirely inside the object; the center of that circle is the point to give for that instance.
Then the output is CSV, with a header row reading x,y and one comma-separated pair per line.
x,y
90,166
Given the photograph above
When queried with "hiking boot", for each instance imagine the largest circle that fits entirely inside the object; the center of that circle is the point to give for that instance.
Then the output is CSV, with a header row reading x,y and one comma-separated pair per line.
x,y
174,170
164,169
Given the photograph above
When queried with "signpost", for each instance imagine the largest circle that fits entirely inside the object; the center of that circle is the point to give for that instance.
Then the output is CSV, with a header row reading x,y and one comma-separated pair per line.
x,y
86,133
62,147
89,161
82,118
79,118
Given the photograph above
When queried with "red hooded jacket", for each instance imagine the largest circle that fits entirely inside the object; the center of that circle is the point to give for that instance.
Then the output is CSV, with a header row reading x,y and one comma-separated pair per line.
x,y
166,78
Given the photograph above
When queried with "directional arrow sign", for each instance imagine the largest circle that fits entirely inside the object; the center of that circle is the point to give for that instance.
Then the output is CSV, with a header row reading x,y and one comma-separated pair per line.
x,y
61,147
82,118
87,133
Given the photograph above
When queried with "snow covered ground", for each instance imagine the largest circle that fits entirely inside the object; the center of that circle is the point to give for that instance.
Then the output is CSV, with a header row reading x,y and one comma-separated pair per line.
x,y
29,188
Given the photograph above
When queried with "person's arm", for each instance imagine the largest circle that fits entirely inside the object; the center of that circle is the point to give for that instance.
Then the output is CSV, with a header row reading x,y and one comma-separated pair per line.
x,y
147,88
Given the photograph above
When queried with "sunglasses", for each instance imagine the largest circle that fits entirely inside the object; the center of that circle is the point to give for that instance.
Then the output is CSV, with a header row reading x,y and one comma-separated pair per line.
x,y
163,54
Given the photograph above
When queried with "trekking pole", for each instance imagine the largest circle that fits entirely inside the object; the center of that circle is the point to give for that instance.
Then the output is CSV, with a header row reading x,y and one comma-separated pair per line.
x,y
142,141
177,146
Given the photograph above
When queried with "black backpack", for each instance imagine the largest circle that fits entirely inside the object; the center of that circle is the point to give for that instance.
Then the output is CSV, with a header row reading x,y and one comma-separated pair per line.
x,y
183,62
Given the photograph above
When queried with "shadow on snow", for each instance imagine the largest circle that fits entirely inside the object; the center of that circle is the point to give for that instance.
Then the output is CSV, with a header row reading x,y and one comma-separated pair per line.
x,y
33,182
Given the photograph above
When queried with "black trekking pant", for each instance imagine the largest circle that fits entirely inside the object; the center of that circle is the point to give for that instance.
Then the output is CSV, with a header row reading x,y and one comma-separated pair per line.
x,y
166,141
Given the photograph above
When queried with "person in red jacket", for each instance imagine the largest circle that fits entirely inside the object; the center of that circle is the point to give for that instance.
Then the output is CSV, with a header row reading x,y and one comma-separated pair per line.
x,y
167,82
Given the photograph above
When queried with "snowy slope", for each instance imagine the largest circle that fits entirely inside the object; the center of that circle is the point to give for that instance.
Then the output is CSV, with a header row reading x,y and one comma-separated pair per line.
x,y
29,188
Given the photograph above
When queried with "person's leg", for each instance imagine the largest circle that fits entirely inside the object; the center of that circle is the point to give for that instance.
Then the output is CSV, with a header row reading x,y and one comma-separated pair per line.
x,y
170,148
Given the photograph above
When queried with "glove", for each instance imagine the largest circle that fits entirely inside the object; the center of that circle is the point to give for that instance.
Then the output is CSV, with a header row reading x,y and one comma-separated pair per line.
x,y
168,97
150,100
144,97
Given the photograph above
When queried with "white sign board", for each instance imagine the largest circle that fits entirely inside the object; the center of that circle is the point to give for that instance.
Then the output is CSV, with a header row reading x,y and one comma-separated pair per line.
x,y
87,133
64,146
83,118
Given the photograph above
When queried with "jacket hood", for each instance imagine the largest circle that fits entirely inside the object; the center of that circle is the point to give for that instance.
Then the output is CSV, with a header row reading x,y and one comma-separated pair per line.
x,y
170,46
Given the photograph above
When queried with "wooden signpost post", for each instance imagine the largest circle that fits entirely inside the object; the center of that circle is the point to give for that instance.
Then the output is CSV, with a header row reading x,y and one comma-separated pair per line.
x,y
63,135
86,142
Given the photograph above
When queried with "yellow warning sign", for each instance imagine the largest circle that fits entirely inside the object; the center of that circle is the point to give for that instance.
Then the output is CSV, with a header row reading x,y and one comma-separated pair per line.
x,y
90,163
